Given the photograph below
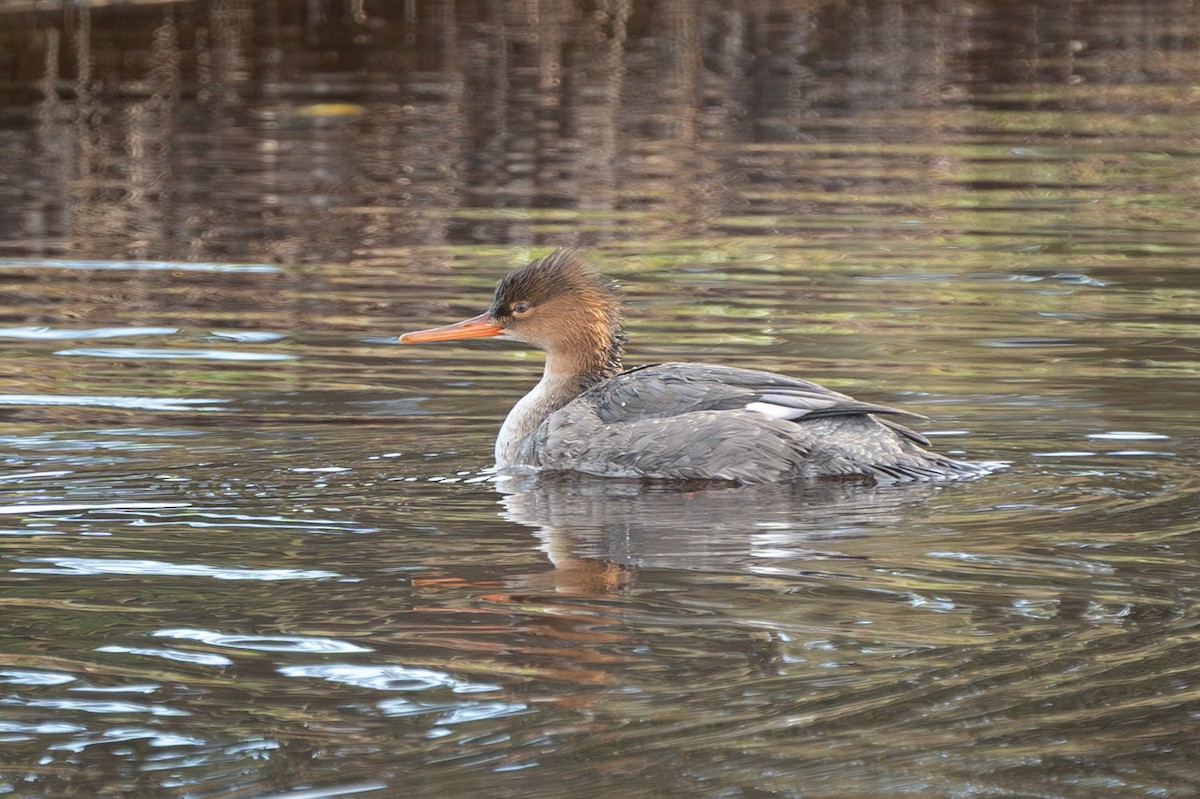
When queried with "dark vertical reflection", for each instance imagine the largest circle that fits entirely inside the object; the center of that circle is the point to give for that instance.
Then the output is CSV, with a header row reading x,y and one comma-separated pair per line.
x,y
151,137
298,130
677,154
46,194
599,70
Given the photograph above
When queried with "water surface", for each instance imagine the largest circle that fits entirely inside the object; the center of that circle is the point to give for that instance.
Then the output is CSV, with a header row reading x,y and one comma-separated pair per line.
x,y
249,546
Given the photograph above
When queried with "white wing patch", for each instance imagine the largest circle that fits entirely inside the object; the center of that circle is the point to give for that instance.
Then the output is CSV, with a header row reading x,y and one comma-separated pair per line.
x,y
774,411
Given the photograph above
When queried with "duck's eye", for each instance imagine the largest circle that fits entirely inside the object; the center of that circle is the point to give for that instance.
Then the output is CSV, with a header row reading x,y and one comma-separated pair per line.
x,y
520,308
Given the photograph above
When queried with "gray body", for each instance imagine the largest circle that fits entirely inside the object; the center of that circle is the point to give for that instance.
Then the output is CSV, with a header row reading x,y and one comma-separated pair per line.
x,y
699,421
676,421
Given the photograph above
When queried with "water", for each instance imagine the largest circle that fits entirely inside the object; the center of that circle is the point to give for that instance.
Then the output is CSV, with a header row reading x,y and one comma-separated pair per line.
x,y
249,546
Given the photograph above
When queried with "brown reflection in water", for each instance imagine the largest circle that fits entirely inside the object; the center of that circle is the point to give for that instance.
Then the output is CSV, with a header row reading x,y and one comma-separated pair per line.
x,y
298,131
598,532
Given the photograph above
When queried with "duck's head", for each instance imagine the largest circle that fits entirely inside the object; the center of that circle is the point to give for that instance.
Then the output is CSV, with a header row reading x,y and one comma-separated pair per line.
x,y
558,304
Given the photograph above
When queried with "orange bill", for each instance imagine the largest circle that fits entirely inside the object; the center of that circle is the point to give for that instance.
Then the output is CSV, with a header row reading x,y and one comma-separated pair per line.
x,y
476,327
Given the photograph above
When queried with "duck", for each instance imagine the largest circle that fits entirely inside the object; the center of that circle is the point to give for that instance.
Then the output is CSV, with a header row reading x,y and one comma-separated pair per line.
x,y
673,421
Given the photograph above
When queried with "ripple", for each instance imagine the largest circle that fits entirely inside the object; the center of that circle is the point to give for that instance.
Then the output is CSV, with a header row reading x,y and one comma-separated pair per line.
x,y
1128,435
156,568
243,520
262,643
387,678
18,477
58,334
247,336
61,506
137,266
482,710
22,677
199,658
40,728
126,403
450,713
136,688
143,353
1078,279
331,791
1029,341
154,738
95,706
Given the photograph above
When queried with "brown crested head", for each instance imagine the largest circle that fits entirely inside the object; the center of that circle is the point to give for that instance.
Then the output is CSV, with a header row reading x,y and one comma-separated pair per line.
x,y
560,304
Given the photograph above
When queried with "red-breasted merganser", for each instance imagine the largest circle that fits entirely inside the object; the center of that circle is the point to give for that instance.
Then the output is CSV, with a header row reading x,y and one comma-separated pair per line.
x,y
672,420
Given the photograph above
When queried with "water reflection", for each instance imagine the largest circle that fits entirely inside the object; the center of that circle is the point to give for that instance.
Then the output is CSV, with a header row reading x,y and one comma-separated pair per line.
x,y
245,551
289,131
589,524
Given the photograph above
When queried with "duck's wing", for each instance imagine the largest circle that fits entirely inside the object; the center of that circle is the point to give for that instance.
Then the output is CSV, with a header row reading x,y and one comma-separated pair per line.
x,y
716,422
699,421
669,389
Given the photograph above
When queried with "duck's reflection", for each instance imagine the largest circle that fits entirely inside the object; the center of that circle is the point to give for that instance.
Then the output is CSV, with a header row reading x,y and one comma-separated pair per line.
x,y
597,532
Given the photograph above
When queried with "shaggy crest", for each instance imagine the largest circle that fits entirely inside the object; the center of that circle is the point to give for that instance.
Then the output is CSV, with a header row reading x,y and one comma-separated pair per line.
x,y
594,304
561,273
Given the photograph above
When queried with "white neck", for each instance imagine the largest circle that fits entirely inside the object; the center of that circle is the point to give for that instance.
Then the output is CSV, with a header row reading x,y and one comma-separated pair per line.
x,y
552,392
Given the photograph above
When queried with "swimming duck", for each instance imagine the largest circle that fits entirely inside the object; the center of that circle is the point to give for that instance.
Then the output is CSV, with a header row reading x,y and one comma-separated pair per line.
x,y
675,421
